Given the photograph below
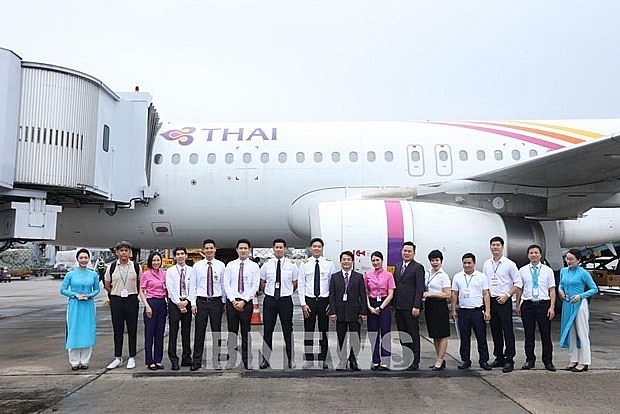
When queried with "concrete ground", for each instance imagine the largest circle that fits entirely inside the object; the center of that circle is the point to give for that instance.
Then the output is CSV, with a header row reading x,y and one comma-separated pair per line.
x,y
35,374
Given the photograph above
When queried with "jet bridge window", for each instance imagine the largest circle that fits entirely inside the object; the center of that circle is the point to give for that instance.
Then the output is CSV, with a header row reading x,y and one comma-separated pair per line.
x,y
371,156
353,156
516,155
318,157
388,156
335,156
193,158
480,155
176,158
301,157
499,155
229,158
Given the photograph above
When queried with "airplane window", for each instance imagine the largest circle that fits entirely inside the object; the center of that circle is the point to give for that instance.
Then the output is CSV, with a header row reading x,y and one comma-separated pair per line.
x,y
282,157
443,155
335,156
193,158
463,155
389,156
371,156
516,155
318,157
106,138
264,157
247,157
353,156
480,155
415,156
176,158
533,153
301,157
158,159
211,158
499,155
229,158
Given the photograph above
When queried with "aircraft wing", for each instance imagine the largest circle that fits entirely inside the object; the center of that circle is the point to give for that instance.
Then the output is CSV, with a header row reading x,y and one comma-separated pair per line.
x,y
582,165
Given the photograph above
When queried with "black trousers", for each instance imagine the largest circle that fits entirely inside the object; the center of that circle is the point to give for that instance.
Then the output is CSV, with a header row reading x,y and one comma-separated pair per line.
x,y
272,309
208,309
502,331
239,319
124,312
405,322
174,317
533,313
353,346
318,312
468,320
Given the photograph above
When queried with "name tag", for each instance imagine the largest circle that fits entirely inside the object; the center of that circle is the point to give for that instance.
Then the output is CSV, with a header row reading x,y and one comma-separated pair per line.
x,y
344,296
378,298
466,292
535,292
495,281
124,293
277,285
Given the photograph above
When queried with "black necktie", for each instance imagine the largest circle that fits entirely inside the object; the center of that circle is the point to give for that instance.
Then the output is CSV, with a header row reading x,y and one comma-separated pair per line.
x,y
346,281
276,292
317,279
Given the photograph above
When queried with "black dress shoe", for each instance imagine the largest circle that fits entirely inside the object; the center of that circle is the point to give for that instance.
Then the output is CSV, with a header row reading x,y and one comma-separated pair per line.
x,y
464,365
528,365
353,366
175,366
264,364
498,363
570,367
194,367
508,367
485,366
152,367
413,367
325,365
159,365
550,367
584,369
187,364
374,367
291,365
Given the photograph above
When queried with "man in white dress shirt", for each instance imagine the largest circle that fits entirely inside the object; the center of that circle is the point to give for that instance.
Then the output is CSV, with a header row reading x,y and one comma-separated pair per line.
x,y
278,279
504,282
180,284
241,282
536,305
314,277
209,306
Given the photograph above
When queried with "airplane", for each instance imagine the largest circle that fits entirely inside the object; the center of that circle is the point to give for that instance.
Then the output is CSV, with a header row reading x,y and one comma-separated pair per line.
x,y
368,186
83,165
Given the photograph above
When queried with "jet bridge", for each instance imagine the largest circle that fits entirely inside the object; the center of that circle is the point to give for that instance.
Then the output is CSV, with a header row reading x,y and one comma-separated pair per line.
x,y
68,139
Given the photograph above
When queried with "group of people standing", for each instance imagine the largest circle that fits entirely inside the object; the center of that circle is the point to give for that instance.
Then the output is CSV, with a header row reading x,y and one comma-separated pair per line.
x,y
345,297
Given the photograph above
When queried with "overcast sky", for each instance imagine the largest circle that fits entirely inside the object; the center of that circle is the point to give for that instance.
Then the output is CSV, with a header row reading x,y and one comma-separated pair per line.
x,y
320,60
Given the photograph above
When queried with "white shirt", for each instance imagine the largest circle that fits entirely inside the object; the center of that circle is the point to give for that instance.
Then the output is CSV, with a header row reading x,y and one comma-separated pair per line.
x,y
217,267
470,289
502,276
173,279
546,280
436,282
306,278
251,279
288,274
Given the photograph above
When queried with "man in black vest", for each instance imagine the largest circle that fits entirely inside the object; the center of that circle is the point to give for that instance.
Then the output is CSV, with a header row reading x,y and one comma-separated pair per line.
x,y
409,279
347,305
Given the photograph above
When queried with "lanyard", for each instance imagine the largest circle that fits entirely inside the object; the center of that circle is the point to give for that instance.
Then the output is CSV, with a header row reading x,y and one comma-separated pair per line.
x,y
120,272
466,282
496,267
430,278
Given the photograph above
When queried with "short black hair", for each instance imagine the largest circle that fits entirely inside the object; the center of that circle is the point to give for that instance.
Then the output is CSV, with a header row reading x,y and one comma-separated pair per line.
x,y
469,256
149,261
377,254
317,239
409,243
207,241
347,253
79,252
576,253
534,246
435,254
497,239
279,241
246,241
121,244
179,249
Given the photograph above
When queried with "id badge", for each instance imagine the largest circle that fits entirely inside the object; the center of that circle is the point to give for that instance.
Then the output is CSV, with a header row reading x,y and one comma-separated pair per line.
x,y
378,298
535,292
495,281
344,297
277,285
466,292
124,293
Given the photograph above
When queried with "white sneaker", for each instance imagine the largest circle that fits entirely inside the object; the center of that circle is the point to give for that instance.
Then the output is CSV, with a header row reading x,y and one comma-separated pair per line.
x,y
117,362
131,363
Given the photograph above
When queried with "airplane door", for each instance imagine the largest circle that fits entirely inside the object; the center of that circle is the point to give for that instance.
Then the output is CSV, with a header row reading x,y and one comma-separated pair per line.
x,y
443,159
415,160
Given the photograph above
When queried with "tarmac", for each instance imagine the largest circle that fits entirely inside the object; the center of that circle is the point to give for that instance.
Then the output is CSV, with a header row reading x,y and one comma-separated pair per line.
x,y
35,376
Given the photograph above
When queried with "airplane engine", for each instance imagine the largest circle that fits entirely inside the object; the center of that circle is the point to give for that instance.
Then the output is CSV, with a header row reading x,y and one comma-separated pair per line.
x,y
597,226
364,226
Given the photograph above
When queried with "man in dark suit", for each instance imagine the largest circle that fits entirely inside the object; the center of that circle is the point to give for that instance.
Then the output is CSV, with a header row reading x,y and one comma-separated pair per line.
x,y
409,279
347,305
